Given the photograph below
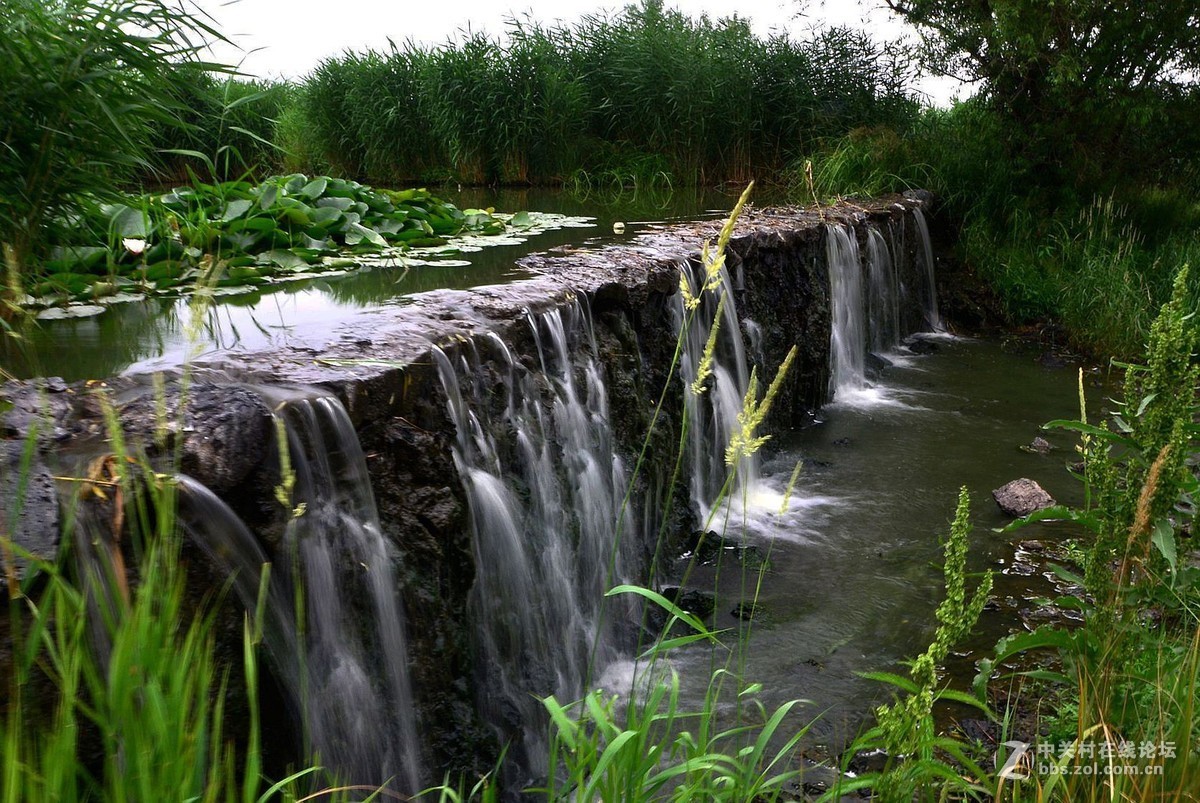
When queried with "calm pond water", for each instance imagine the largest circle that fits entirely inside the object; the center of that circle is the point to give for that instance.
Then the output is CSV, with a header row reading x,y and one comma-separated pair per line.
x,y
154,332
853,567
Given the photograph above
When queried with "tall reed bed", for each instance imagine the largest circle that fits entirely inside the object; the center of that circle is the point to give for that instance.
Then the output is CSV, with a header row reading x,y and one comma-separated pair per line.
x,y
644,92
225,129
86,83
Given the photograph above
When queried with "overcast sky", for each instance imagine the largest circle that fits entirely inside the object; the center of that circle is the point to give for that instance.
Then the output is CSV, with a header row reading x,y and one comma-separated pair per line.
x,y
287,39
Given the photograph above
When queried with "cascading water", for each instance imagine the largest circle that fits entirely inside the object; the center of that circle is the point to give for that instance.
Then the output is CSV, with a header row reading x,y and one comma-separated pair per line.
x,y
932,317
876,316
848,337
545,489
713,415
333,624
357,698
229,545
883,300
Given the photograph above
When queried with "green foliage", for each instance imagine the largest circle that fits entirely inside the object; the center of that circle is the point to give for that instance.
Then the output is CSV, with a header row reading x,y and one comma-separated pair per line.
x,y
644,96
232,122
648,748
1080,83
1137,474
286,225
905,728
1100,264
132,677
1093,270
83,85
1132,671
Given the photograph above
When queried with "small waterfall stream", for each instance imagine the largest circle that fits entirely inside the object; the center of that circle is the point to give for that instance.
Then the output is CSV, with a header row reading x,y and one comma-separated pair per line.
x,y
713,415
359,711
883,300
869,298
929,298
545,487
335,627
848,337
229,545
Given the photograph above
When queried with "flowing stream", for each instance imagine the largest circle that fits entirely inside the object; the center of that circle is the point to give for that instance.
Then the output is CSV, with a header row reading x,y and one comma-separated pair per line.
x,y
849,573
551,532
836,577
334,624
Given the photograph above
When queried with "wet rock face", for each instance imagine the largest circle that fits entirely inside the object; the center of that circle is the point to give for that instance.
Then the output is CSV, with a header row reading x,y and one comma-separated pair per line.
x,y
1022,497
785,290
224,432
27,493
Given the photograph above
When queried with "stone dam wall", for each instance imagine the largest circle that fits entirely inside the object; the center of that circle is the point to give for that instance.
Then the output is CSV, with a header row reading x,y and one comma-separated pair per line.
x,y
384,372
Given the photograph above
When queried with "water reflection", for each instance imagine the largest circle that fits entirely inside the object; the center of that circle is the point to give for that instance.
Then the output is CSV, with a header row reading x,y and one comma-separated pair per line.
x,y
153,332
852,571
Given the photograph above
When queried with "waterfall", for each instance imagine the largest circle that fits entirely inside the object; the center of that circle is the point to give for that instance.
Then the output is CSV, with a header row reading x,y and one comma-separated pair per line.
x,y
713,415
883,301
877,316
333,626
930,302
545,489
848,334
358,705
230,547
754,334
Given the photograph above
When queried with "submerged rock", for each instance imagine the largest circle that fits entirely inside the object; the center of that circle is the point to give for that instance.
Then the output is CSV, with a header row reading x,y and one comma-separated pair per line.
x,y
1038,445
918,345
747,610
875,364
1022,497
700,603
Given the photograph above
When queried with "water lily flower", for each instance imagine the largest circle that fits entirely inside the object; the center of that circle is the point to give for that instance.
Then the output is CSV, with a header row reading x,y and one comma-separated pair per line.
x,y
133,245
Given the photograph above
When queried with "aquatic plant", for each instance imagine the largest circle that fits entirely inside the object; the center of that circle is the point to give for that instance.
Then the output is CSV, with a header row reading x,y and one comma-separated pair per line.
x,y
287,224
85,84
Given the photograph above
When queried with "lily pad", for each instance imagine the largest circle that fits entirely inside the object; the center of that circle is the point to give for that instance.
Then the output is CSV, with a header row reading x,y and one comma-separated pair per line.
x,y
71,311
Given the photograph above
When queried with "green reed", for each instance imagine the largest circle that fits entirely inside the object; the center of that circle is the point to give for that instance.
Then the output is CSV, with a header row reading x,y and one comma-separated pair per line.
x,y
702,100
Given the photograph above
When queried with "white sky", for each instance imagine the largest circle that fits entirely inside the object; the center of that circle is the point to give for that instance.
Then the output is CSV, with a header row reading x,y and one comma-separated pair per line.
x,y
287,38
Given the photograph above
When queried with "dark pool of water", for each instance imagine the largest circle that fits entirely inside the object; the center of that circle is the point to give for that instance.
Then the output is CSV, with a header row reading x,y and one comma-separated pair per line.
x,y
853,573
160,332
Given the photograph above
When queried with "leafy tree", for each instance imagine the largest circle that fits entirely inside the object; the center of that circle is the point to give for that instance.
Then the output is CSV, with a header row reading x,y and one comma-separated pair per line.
x,y
1079,81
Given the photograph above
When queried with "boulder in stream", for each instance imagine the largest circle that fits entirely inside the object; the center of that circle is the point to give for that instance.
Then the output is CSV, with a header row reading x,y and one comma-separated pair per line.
x,y
1022,497
1038,446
